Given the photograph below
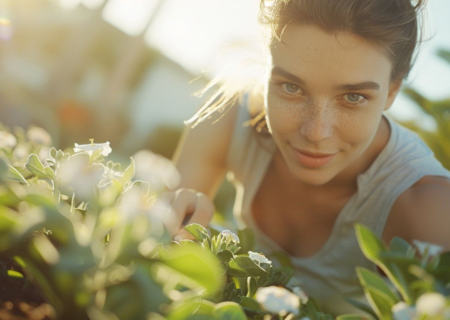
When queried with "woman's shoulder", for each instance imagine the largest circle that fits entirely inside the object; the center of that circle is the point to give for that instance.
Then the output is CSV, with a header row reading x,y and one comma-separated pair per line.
x,y
422,212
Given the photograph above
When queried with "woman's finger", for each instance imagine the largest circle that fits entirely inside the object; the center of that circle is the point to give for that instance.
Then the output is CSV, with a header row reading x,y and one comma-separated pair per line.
x,y
183,204
202,214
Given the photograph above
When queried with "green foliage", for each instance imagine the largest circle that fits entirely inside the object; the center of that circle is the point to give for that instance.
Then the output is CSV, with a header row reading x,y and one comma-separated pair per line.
x,y
91,238
413,273
439,110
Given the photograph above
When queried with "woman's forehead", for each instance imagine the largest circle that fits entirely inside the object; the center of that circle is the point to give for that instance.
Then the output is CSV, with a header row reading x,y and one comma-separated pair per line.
x,y
311,52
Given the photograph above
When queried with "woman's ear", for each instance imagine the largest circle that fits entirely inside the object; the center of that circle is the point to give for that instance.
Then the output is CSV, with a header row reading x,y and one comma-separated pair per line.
x,y
394,88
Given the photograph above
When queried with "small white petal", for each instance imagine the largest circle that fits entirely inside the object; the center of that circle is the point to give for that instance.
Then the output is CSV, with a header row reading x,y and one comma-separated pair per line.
x,y
7,140
277,300
158,171
301,294
90,148
258,257
403,311
422,247
230,236
39,136
431,304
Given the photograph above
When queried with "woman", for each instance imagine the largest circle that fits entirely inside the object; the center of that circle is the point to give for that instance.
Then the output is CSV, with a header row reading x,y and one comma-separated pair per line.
x,y
330,158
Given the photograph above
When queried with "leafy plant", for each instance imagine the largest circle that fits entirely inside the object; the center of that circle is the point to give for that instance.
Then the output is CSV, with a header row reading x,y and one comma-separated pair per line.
x,y
439,110
417,273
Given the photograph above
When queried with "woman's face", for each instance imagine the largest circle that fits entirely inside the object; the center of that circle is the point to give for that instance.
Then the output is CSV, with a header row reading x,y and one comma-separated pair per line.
x,y
325,95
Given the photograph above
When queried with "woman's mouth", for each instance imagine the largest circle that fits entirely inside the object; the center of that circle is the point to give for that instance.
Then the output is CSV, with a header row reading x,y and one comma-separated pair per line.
x,y
313,159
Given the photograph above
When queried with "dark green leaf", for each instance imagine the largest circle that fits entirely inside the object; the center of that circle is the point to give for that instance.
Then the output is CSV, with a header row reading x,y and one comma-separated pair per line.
x,y
225,256
250,303
400,246
250,267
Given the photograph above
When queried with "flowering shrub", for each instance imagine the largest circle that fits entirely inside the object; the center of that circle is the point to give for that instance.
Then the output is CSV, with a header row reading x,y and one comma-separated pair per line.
x,y
94,240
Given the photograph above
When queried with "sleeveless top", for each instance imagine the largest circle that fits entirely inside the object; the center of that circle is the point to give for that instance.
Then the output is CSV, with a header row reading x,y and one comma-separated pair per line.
x,y
329,275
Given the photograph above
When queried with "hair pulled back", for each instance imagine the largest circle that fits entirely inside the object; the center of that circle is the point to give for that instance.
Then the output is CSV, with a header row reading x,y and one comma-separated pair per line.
x,y
391,25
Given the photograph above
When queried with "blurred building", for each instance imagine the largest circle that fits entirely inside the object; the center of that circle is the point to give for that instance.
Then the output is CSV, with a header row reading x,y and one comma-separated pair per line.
x,y
79,77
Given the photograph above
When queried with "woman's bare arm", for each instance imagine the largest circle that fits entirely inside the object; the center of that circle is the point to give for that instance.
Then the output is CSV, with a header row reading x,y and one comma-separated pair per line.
x,y
201,160
422,212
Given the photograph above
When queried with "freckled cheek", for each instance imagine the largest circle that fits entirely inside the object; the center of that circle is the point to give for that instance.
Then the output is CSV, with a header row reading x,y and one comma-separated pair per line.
x,y
357,131
284,115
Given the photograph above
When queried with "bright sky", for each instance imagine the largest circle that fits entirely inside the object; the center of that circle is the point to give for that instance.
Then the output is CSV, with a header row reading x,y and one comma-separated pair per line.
x,y
193,33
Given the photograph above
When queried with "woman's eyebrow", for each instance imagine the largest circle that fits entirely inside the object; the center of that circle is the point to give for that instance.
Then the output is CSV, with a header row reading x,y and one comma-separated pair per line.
x,y
366,85
287,75
359,86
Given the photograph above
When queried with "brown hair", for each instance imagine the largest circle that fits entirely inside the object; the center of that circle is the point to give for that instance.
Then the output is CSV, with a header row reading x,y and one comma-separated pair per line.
x,y
391,25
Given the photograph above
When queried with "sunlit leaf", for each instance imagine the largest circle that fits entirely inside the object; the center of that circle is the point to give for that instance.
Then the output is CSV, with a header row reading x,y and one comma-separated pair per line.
x,y
35,166
198,231
197,264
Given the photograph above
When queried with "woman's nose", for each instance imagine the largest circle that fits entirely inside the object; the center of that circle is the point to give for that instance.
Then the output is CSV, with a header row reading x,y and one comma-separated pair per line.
x,y
317,124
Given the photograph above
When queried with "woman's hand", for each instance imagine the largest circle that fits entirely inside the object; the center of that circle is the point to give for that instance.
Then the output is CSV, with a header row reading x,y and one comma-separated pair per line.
x,y
189,206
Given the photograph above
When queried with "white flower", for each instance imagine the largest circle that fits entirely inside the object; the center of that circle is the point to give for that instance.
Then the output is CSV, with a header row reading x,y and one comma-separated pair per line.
x,y
230,236
135,201
431,304
427,248
90,148
7,140
39,135
278,300
80,176
156,170
301,294
20,152
403,311
258,257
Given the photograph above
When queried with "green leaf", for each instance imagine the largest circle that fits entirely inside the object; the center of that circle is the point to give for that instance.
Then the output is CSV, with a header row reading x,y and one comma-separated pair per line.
x,y
363,306
370,245
235,270
225,255
35,166
251,287
379,295
281,276
250,303
13,175
251,268
402,247
198,231
229,311
200,267
129,172
14,274
372,280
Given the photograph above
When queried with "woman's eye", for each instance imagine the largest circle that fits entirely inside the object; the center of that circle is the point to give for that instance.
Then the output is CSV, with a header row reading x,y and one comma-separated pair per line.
x,y
354,98
291,88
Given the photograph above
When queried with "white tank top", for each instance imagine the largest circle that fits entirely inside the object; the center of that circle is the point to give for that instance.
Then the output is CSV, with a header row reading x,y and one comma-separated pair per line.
x,y
329,275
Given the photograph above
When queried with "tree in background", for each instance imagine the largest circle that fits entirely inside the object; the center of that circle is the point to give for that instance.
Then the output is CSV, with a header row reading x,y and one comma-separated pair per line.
x,y
439,139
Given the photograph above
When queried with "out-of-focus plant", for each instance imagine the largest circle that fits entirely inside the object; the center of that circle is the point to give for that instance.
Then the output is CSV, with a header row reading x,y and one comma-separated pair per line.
x,y
438,140
419,275
95,241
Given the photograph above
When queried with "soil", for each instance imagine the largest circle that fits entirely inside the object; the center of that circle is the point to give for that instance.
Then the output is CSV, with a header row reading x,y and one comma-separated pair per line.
x,y
19,298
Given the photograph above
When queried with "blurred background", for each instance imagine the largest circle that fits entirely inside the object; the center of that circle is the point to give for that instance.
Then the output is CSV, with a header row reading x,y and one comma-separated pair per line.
x,y
125,71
